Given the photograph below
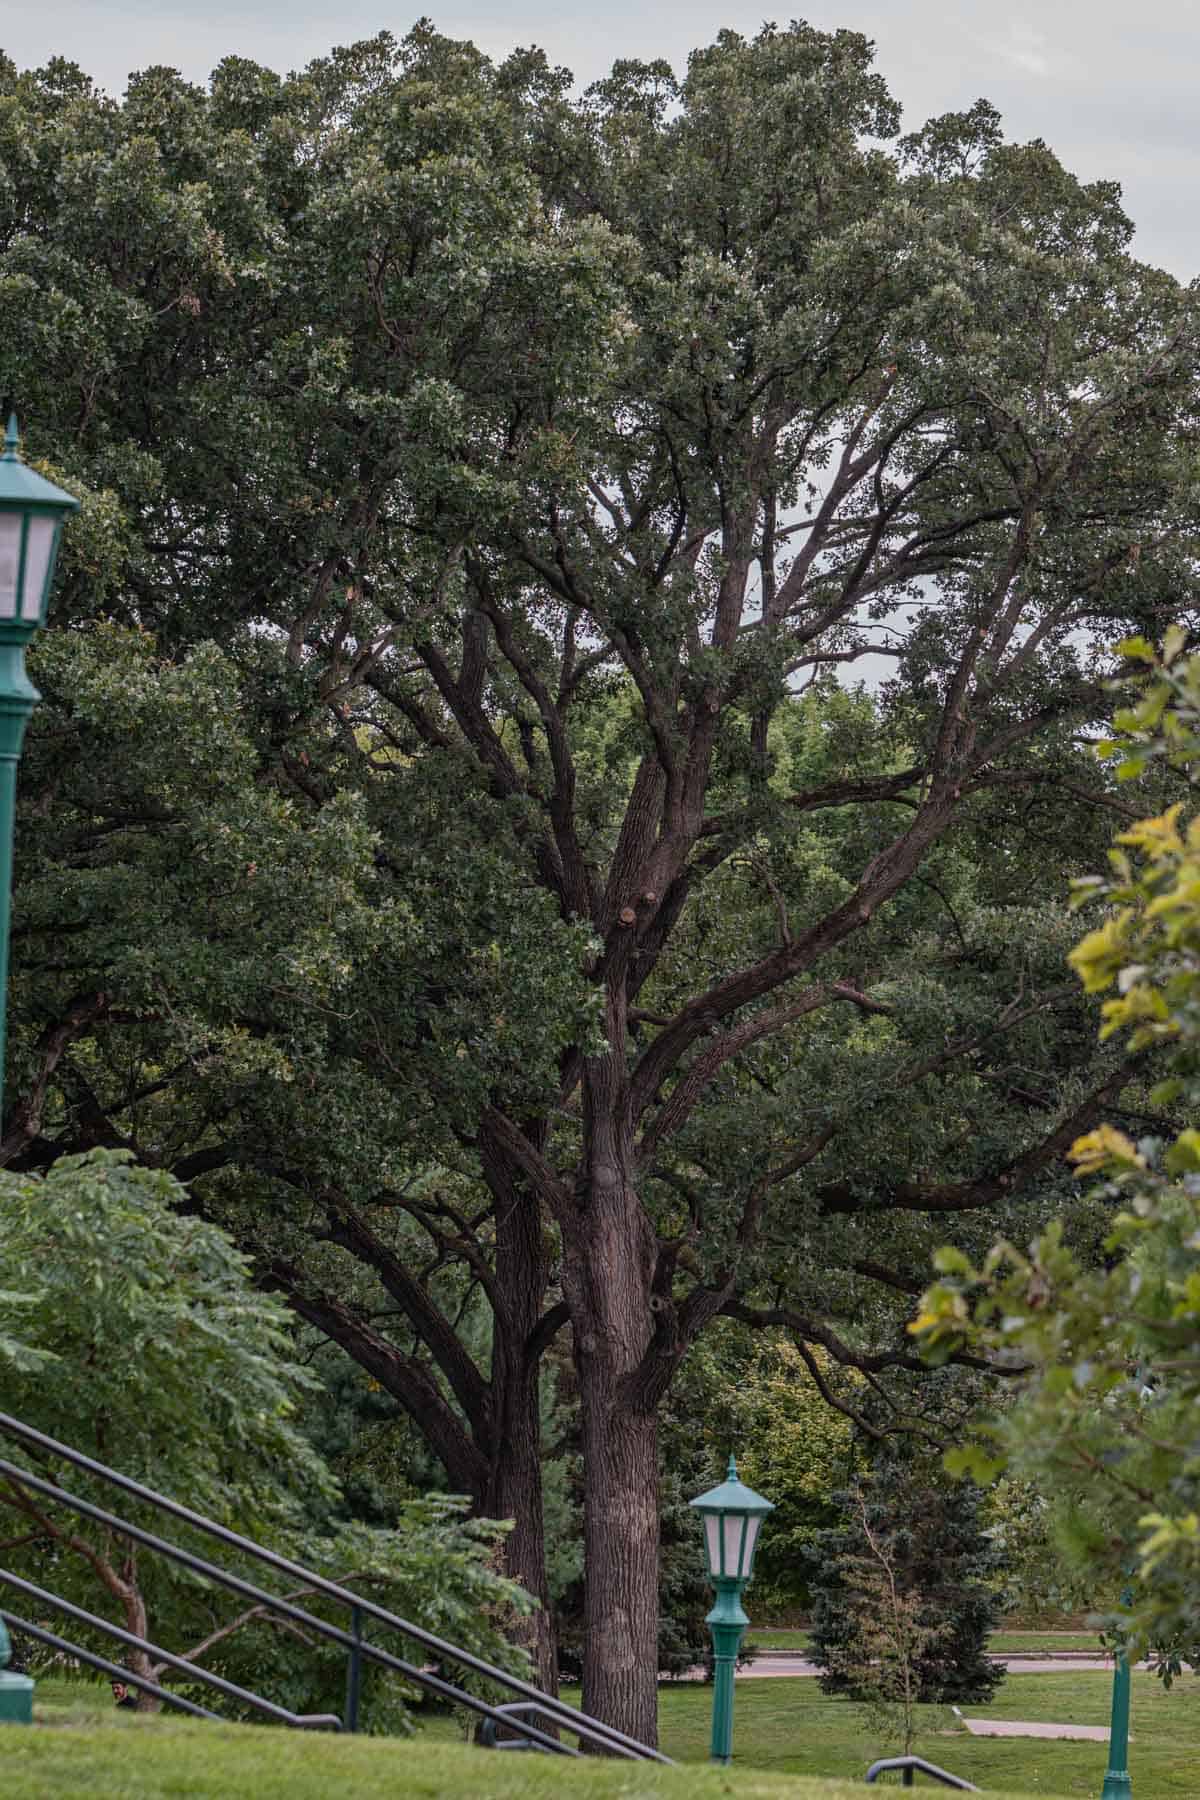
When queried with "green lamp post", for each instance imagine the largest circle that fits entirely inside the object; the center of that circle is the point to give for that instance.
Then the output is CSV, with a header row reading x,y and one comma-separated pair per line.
x,y
32,511
1117,1784
732,1515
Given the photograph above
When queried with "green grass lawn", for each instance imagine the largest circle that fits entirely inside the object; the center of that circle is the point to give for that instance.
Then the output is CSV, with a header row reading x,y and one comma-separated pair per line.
x,y
1003,1643
82,1749
788,1726
787,1733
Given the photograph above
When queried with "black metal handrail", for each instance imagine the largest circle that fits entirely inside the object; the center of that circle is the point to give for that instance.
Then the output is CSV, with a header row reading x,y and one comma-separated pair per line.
x,y
117,1671
512,1709
911,1763
357,1646
231,1690
594,1731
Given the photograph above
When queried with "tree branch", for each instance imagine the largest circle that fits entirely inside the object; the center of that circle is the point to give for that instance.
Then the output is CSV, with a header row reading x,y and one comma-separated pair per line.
x,y
988,1190
403,1377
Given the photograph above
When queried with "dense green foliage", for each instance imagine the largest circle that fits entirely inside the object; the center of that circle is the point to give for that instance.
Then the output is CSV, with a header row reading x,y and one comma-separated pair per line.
x,y
755,1394
134,1333
1034,1579
145,1341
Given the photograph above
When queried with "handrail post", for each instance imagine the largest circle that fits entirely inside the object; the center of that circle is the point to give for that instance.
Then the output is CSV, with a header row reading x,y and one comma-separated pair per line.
x,y
908,1766
1117,1782
354,1669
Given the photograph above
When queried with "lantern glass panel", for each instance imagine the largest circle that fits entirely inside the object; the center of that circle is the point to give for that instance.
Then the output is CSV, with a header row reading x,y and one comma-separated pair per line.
x,y
10,564
712,1540
39,547
734,1533
752,1525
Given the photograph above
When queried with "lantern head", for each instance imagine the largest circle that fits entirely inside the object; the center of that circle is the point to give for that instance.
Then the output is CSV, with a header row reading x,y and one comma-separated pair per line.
x,y
732,1515
32,511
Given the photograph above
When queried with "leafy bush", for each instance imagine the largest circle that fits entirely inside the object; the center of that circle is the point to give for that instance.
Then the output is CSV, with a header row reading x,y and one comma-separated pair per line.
x,y
134,1332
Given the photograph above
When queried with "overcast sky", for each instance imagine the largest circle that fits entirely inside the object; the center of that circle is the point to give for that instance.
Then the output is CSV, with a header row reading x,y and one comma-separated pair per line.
x,y
1110,85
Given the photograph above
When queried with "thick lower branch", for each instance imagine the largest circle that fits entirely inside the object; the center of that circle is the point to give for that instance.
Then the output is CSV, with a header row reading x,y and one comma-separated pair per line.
x,y
403,1377
1001,1184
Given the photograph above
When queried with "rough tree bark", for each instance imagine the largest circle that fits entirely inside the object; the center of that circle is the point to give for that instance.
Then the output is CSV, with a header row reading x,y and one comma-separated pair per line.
x,y
136,1621
610,1255
514,1488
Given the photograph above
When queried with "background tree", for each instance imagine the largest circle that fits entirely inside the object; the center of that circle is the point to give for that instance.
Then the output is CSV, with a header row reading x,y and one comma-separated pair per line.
x,y
1035,1582
903,1598
890,1634
753,1393
523,456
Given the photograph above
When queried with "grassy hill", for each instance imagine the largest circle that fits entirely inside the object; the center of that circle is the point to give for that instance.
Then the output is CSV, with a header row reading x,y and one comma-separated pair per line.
x,y
793,1744
129,1758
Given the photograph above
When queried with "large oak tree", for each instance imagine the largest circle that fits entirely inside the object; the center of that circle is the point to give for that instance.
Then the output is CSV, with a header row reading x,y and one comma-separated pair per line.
x,y
487,913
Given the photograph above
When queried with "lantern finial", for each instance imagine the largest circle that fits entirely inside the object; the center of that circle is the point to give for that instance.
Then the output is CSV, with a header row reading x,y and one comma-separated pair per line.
x,y
12,440
731,1473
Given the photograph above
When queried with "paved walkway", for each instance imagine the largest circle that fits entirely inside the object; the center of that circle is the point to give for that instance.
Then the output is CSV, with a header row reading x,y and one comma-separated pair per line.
x,y
780,1663
1023,1728
783,1663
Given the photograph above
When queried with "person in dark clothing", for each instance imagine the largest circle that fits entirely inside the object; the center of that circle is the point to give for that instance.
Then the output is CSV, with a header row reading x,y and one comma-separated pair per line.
x,y
124,1697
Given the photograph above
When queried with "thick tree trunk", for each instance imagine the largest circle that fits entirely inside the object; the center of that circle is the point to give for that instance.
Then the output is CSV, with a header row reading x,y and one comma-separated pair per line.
x,y
620,1655
515,1493
515,1478
610,1253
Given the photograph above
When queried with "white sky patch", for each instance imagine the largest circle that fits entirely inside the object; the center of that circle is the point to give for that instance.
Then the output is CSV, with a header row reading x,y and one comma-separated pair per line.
x,y
1025,49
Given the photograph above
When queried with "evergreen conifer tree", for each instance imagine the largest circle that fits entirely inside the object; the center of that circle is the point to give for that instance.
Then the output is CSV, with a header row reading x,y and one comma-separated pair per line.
x,y
926,1534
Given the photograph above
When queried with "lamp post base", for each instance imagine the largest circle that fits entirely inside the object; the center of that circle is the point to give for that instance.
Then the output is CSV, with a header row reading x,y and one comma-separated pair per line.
x,y
1117,1785
16,1699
